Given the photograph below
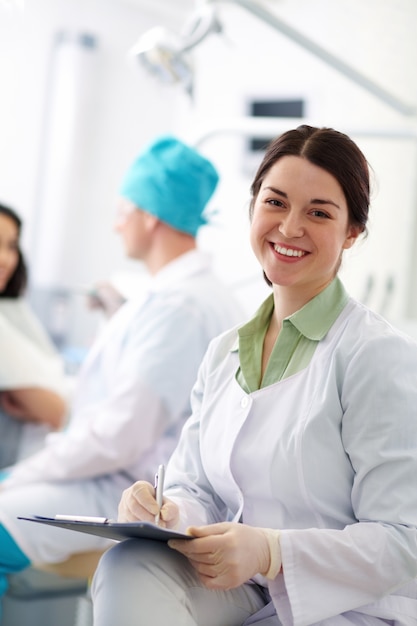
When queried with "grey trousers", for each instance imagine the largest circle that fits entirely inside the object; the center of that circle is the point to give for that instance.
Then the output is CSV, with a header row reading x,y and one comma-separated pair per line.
x,y
144,582
19,439
10,437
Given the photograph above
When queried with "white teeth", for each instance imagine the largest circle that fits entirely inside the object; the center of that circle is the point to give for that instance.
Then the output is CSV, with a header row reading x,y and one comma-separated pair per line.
x,y
289,251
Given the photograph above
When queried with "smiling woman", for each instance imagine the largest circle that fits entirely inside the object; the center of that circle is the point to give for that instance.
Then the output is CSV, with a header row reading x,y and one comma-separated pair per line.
x,y
324,392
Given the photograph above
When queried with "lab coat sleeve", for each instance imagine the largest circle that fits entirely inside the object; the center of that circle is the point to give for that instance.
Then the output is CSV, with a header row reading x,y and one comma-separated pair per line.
x,y
186,481
150,383
30,361
326,571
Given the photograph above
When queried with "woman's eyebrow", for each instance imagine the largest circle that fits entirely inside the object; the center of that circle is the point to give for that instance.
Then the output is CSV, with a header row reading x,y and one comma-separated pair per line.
x,y
277,191
322,201
313,200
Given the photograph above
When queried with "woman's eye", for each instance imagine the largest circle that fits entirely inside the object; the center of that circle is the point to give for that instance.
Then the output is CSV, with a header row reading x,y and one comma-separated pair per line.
x,y
275,202
318,213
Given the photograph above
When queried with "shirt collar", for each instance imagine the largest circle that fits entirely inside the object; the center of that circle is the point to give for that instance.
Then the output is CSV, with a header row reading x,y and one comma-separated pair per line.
x,y
313,320
189,264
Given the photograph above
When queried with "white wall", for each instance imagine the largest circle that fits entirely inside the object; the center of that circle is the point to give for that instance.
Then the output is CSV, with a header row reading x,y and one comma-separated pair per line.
x,y
126,108
254,60
122,113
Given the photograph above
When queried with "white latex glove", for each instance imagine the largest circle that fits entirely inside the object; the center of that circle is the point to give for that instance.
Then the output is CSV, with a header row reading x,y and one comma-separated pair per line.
x,y
138,503
228,554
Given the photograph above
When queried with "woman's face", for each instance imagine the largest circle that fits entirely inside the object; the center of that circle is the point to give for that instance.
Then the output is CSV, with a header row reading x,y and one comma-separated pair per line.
x,y
9,249
300,226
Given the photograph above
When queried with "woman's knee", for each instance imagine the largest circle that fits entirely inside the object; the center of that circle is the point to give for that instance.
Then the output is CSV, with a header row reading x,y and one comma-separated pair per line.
x,y
131,559
117,564
135,552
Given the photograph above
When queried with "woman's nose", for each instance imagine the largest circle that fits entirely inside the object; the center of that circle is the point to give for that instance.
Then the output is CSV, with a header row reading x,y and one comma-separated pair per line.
x,y
291,225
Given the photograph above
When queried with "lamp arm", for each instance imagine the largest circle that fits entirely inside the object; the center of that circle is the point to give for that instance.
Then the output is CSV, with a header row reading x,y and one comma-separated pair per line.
x,y
207,23
342,67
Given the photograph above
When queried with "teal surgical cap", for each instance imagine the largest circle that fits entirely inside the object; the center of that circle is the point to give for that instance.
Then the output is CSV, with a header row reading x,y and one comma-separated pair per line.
x,y
173,182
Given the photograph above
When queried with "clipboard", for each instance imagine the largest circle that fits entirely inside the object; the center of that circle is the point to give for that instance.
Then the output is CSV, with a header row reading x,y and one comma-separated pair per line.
x,y
119,531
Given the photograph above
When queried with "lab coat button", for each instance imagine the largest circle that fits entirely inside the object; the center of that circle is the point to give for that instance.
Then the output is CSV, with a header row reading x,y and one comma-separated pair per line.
x,y
244,402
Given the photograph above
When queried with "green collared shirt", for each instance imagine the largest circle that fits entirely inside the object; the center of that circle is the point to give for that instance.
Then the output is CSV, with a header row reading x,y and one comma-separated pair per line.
x,y
296,342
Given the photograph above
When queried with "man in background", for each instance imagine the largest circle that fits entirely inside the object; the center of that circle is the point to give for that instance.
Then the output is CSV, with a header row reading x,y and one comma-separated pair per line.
x,y
132,394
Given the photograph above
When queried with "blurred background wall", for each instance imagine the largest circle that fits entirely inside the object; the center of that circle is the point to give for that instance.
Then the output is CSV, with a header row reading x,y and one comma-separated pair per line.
x,y
74,113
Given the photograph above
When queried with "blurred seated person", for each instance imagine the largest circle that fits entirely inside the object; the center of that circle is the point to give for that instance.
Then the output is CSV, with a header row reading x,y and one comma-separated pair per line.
x,y
32,381
132,395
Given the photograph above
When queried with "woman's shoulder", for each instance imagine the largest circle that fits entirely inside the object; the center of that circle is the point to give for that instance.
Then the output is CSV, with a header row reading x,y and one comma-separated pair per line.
x,y
366,331
19,315
222,345
15,310
10,304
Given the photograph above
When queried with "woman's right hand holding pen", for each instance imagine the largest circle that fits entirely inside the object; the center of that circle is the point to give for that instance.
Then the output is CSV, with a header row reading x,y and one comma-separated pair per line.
x,y
138,502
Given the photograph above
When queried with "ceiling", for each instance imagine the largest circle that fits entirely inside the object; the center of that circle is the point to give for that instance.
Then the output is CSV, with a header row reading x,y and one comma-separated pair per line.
x,y
169,9
177,10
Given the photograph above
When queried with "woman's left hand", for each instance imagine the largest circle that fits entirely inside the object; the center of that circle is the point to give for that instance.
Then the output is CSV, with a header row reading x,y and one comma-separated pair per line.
x,y
227,554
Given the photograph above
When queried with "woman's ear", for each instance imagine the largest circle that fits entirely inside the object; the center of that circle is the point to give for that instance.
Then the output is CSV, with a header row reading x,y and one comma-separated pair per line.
x,y
353,233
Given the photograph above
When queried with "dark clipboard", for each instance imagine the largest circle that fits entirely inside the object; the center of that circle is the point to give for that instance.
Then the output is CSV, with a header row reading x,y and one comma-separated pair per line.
x,y
119,531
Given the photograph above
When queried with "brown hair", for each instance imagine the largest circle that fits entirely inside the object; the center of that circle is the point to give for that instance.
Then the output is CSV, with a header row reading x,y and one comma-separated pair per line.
x,y
18,280
331,150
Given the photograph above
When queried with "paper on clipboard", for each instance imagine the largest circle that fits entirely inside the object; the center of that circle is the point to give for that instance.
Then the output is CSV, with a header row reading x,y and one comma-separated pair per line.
x,y
119,531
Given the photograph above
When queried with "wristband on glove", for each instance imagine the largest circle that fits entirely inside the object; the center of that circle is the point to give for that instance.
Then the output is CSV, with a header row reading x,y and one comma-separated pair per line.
x,y
275,562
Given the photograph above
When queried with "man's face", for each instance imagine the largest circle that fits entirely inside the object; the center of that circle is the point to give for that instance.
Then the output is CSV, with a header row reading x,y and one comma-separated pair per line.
x,y
133,225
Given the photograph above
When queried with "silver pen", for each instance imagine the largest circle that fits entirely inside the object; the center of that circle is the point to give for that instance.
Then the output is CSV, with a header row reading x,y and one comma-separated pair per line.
x,y
159,489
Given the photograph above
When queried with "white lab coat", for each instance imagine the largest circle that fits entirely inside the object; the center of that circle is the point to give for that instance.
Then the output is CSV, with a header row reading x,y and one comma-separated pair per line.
x,y
28,358
132,398
329,456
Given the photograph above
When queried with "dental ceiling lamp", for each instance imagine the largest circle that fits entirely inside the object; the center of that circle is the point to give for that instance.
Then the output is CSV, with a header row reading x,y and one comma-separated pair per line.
x,y
166,55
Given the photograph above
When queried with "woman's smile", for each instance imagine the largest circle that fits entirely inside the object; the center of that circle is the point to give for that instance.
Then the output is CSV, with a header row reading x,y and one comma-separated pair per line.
x,y
288,252
300,227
